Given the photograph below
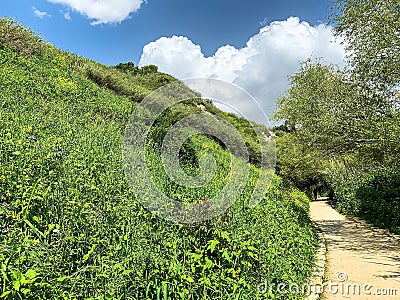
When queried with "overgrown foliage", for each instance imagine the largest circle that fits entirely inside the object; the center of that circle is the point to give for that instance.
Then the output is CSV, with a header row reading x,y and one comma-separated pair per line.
x,y
19,39
129,67
300,164
371,32
349,120
71,229
374,196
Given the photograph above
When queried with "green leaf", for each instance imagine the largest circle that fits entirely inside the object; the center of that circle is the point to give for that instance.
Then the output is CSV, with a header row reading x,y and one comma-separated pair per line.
x,y
17,285
5,294
25,291
31,274
16,275
213,244
62,278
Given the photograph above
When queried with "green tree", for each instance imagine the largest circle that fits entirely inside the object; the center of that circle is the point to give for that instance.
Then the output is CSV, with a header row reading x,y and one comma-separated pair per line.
x,y
371,32
128,67
303,166
332,114
149,69
328,119
349,119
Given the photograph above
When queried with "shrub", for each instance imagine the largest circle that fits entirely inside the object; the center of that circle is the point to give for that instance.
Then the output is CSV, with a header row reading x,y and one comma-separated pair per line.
x,y
19,39
374,196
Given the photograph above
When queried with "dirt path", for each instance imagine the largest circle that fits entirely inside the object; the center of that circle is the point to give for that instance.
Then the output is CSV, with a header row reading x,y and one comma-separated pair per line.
x,y
362,262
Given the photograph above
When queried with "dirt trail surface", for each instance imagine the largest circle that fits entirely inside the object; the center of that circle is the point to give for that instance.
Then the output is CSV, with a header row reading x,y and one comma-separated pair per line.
x,y
362,262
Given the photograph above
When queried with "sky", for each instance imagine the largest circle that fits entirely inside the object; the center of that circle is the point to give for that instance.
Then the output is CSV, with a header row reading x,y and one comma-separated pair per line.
x,y
253,44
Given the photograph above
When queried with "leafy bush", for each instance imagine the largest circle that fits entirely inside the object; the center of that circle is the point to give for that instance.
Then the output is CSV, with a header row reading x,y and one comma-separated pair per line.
x,y
129,67
374,196
19,39
380,194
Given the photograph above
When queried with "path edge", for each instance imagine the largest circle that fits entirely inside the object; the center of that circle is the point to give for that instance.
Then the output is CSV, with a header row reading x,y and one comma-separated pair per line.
x,y
316,280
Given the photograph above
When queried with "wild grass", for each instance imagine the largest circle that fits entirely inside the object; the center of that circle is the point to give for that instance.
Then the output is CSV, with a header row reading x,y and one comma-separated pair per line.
x,y
70,227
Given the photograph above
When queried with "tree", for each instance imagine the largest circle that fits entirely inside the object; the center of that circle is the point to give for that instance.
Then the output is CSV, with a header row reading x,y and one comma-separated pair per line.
x,y
128,67
346,123
331,114
149,69
371,32
323,109
305,167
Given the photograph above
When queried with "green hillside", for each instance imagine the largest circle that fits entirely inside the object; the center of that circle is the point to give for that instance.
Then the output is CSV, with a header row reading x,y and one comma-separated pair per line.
x,y
70,228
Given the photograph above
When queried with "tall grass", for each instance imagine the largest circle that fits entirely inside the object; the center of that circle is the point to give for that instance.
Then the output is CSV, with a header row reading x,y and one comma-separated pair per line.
x,y
70,228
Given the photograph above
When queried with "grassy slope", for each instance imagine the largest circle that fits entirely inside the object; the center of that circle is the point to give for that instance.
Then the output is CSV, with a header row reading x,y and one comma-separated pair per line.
x,y
71,229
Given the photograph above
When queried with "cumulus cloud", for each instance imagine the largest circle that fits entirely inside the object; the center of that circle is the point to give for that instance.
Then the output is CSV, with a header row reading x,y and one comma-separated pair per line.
x,y
40,14
261,68
103,11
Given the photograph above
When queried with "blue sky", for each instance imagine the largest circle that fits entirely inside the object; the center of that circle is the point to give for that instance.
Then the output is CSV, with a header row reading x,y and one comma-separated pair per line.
x,y
256,44
210,24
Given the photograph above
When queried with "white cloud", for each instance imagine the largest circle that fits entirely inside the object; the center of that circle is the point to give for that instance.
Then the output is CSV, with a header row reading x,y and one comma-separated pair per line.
x,y
67,16
103,11
264,22
40,14
261,68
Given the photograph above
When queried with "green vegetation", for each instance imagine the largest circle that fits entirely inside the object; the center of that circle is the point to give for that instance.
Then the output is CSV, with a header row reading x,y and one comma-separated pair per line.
x,y
70,228
370,28
344,125
374,196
